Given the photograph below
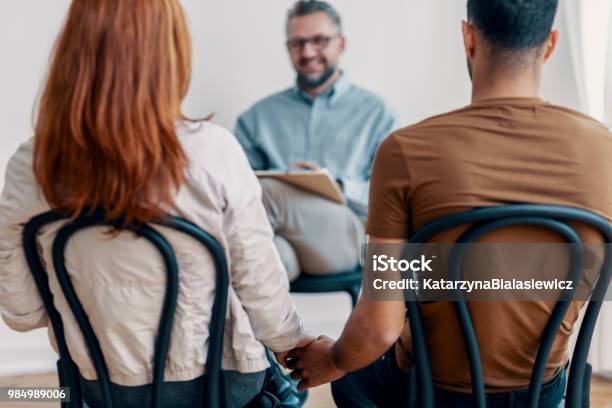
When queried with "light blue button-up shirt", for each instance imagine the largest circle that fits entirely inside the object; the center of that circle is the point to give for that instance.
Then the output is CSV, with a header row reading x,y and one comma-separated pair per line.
x,y
339,129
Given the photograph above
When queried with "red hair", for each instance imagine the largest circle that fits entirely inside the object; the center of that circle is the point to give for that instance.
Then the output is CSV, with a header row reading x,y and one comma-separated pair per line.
x,y
105,133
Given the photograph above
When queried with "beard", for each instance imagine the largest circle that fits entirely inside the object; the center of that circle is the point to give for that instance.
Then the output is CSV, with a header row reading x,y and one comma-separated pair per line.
x,y
307,82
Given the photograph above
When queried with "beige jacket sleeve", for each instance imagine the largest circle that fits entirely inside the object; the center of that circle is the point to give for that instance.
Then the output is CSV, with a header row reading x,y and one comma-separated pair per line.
x,y
257,273
20,304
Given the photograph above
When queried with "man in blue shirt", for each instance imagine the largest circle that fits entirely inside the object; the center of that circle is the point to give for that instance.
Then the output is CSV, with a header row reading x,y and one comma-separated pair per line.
x,y
324,121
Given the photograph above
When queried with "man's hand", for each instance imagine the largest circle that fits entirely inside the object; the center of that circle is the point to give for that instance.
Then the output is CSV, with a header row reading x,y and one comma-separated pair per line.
x,y
313,365
282,357
306,165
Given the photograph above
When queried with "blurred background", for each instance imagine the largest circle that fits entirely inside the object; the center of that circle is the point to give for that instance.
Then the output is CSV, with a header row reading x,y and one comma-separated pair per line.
x,y
410,52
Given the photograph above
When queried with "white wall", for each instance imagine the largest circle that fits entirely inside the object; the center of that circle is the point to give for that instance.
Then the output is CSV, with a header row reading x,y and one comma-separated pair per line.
x,y
595,49
408,51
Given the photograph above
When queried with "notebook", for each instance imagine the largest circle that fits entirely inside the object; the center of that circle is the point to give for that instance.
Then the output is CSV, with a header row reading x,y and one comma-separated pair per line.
x,y
319,182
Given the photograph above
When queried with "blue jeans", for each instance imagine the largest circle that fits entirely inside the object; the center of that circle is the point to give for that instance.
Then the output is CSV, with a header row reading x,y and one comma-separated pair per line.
x,y
242,389
384,384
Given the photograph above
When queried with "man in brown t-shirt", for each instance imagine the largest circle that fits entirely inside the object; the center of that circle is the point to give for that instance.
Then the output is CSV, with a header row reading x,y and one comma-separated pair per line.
x,y
508,146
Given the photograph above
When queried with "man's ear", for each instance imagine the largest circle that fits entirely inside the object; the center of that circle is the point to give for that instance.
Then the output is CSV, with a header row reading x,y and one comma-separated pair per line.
x,y
342,40
468,39
551,44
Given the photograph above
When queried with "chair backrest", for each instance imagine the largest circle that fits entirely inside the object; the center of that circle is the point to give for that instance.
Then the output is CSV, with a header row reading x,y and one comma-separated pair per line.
x,y
215,395
483,221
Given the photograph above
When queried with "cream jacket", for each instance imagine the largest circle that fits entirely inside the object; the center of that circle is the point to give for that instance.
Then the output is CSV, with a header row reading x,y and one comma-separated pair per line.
x,y
121,280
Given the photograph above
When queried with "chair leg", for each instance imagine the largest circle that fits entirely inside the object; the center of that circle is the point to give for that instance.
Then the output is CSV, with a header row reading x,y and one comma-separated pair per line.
x,y
68,376
586,386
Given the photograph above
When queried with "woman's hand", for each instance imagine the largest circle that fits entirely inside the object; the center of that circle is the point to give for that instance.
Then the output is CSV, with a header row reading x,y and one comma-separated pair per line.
x,y
283,356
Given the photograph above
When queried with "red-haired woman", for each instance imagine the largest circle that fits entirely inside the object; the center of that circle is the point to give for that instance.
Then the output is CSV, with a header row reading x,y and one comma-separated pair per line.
x,y
110,133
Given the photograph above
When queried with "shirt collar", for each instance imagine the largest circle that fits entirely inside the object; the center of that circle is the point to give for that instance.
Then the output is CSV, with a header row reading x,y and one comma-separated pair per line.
x,y
332,94
508,100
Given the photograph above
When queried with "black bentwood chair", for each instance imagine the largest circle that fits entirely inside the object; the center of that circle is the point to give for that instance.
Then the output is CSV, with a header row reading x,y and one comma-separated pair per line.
x,y
214,395
349,282
484,221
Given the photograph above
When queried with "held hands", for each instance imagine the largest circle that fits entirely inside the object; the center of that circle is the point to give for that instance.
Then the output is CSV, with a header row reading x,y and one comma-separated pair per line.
x,y
304,342
313,364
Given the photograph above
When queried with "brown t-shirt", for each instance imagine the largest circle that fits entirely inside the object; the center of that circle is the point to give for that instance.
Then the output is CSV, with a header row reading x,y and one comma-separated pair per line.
x,y
493,152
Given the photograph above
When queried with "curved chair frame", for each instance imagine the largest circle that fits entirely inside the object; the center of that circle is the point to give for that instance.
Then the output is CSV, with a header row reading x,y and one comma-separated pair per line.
x,y
215,395
484,221
349,282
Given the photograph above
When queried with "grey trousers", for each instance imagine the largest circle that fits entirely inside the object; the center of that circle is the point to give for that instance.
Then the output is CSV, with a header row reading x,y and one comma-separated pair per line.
x,y
312,234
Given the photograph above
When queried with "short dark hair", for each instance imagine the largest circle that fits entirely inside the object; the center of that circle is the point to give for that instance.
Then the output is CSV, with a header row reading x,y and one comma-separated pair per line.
x,y
515,25
307,7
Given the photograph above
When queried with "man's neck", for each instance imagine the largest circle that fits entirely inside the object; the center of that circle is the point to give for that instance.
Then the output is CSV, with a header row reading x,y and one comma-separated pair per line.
x,y
314,92
522,86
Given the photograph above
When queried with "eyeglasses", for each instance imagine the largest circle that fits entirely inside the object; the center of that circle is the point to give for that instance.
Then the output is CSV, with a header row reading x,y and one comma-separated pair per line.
x,y
320,42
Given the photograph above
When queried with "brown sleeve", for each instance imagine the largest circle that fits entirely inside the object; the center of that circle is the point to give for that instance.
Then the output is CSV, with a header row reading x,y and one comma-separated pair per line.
x,y
388,212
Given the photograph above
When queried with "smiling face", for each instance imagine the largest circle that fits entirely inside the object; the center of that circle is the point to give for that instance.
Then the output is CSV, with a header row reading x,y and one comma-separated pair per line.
x,y
315,46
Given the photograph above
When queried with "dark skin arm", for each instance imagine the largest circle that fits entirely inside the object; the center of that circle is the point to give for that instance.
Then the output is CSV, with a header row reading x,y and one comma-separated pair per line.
x,y
372,329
